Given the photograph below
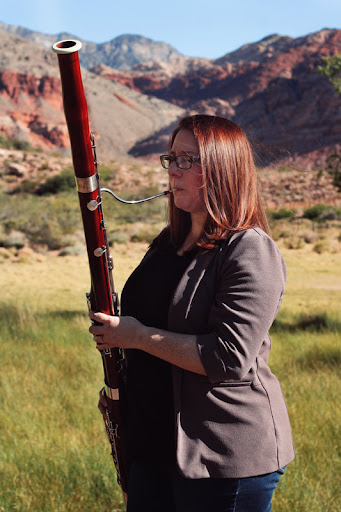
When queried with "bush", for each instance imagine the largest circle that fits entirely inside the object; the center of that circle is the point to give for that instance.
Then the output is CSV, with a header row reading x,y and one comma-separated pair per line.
x,y
4,254
117,237
322,246
71,251
314,212
145,235
294,243
282,213
15,143
309,236
17,242
26,187
58,183
49,233
322,212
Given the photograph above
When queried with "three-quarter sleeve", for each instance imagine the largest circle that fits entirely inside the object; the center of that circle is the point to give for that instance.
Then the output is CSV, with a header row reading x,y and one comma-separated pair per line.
x,y
249,293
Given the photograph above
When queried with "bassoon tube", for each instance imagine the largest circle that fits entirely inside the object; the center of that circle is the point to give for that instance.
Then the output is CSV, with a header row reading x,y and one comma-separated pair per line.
x,y
71,46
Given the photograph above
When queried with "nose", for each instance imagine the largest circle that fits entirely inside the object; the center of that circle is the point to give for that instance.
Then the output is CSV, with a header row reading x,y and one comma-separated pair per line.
x,y
174,170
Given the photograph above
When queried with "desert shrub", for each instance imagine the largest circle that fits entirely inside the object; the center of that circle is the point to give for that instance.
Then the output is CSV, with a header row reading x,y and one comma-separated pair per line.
x,y
26,187
4,254
49,234
16,242
309,236
294,242
24,145
145,234
322,246
9,225
314,212
322,212
282,213
71,251
330,214
334,168
285,234
106,173
45,165
117,237
14,143
58,183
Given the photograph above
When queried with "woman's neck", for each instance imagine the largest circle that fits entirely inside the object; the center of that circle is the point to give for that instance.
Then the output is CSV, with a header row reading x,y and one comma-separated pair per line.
x,y
197,227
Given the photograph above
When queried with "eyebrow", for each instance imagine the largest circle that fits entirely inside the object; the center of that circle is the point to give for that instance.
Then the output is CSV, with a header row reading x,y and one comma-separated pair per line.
x,y
184,153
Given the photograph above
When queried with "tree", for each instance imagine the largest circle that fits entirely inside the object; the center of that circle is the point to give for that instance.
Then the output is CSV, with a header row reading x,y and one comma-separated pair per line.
x,y
331,67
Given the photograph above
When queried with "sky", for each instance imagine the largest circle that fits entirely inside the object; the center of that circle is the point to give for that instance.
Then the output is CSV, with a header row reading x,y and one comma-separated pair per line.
x,y
196,28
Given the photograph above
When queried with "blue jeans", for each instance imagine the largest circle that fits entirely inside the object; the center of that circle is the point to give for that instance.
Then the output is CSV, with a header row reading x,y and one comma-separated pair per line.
x,y
163,489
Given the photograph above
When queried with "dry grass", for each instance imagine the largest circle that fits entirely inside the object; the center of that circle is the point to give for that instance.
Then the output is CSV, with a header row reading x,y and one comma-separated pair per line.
x,y
53,451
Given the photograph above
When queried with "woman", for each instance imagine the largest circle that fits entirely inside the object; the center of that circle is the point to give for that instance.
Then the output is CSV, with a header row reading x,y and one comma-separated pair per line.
x,y
208,423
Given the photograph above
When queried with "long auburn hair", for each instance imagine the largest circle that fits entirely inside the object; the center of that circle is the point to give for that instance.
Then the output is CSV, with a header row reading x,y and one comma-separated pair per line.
x,y
229,182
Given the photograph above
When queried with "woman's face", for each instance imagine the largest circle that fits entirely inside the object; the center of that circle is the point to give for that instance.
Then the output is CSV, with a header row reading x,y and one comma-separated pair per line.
x,y
187,182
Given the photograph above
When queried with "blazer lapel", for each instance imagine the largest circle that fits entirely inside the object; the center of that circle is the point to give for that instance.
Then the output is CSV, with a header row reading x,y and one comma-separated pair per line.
x,y
187,286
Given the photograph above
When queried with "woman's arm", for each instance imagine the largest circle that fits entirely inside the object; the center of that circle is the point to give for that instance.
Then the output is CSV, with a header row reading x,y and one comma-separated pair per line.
x,y
127,332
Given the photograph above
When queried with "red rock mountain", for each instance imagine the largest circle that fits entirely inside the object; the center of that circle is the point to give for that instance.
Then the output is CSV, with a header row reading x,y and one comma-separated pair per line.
x,y
271,88
31,103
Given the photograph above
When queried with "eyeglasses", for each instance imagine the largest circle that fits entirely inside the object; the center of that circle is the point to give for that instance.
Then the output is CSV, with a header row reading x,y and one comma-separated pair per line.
x,y
181,161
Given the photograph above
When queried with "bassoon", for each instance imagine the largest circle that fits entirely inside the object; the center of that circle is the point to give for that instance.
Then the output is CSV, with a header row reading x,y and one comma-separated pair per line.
x,y
102,296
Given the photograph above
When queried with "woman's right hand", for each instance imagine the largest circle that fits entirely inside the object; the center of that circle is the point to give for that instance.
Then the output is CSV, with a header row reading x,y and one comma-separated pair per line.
x,y
102,404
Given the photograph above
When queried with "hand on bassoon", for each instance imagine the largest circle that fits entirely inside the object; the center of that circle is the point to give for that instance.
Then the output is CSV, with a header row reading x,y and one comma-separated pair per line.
x,y
126,332
115,331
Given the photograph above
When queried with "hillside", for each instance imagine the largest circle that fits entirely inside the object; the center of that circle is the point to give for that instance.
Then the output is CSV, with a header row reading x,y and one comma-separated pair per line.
x,y
122,52
31,103
282,188
271,88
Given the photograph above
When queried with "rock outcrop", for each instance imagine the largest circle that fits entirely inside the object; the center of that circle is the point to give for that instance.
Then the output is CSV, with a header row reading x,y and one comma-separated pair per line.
x,y
271,88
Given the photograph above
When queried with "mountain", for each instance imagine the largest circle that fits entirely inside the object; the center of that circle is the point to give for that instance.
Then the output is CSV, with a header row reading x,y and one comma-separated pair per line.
x,y
122,52
31,103
270,87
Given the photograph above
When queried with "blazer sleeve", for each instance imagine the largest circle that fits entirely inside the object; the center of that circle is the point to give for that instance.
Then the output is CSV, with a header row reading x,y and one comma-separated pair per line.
x,y
249,293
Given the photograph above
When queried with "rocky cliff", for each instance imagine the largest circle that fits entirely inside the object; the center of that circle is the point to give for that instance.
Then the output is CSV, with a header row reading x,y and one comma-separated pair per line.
x,y
31,103
271,88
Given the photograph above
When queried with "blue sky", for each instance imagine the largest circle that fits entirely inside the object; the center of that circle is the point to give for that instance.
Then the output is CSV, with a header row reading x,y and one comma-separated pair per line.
x,y
202,28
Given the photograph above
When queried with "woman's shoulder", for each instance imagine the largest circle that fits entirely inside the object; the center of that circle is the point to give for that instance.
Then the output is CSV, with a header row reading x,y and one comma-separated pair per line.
x,y
253,246
253,237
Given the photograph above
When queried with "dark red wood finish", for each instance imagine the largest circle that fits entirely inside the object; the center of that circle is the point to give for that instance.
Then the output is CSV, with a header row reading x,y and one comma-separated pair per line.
x,y
76,114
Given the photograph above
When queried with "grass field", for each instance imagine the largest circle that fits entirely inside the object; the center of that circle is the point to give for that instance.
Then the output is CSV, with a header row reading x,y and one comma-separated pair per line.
x,y
54,455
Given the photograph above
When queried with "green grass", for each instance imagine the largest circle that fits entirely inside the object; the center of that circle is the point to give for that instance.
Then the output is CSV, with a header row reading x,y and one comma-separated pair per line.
x,y
54,455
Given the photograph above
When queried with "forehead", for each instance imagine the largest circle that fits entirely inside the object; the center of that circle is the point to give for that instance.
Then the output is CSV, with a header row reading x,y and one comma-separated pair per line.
x,y
185,142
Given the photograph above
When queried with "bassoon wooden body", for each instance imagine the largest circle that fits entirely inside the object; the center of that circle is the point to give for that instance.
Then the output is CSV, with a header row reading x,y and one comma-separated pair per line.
x,y
102,297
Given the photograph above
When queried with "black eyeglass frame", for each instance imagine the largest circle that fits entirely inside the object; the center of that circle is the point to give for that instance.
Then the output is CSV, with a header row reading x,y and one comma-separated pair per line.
x,y
169,159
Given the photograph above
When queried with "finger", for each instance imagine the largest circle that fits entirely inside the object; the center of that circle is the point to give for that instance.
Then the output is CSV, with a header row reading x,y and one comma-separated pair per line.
x,y
98,317
98,338
96,329
102,346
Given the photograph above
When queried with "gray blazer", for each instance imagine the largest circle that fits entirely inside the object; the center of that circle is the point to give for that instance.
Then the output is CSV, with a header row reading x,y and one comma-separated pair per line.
x,y
234,422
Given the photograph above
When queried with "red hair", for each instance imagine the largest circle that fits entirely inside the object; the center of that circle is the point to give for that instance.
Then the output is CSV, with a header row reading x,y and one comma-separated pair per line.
x,y
229,182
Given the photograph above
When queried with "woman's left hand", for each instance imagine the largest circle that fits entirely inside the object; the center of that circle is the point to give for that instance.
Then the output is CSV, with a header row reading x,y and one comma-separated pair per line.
x,y
115,331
